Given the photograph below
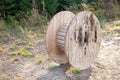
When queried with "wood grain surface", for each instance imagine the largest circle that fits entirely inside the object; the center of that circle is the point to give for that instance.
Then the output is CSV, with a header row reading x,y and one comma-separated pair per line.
x,y
83,40
60,19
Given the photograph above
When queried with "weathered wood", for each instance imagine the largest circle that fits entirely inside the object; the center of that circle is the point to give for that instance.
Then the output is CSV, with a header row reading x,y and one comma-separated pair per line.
x,y
61,36
83,40
74,39
64,17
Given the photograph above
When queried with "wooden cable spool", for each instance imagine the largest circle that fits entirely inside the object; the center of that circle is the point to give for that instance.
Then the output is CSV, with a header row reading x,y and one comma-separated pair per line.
x,y
74,39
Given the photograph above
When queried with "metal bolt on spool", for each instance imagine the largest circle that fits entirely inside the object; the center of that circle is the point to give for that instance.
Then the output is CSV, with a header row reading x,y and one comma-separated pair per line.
x,y
74,38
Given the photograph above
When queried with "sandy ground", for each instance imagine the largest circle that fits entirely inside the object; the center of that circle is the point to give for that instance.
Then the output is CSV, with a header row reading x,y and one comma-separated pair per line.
x,y
106,66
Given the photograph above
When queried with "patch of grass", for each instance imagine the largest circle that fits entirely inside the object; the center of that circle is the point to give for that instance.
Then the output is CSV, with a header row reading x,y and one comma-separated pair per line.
x,y
51,67
7,25
29,36
30,43
75,71
38,33
107,27
28,54
14,53
12,46
3,29
22,51
1,40
11,27
102,23
25,53
44,30
117,24
40,60
2,26
19,35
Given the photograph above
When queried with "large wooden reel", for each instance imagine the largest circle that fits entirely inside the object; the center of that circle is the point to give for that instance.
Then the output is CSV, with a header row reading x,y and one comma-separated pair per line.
x,y
83,40
59,20
74,39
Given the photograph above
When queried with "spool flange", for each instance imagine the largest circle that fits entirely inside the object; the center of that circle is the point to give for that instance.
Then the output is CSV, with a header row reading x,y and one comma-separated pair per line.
x,y
83,40
60,19
74,39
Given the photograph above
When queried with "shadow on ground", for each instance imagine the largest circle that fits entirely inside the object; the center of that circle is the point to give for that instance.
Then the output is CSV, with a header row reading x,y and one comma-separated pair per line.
x,y
59,73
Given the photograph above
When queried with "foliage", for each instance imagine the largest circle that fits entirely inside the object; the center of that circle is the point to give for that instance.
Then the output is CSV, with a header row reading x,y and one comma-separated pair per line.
x,y
1,40
7,8
30,43
51,6
107,10
22,51
28,54
40,60
14,8
74,70
14,53
63,4
51,67
117,24
40,5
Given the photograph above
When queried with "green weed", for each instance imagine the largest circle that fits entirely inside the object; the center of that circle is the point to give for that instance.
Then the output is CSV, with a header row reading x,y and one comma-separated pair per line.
x,y
40,60
11,27
44,30
3,29
29,36
22,51
14,53
1,40
74,70
107,27
8,21
28,54
38,33
30,43
25,53
19,35
117,24
52,67
12,46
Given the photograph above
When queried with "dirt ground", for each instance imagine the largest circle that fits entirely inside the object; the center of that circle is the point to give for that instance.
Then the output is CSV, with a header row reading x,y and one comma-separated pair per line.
x,y
19,67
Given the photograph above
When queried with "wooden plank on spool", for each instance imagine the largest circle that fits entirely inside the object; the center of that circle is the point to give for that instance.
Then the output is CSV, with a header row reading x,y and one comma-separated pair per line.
x,y
61,37
60,19
83,40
